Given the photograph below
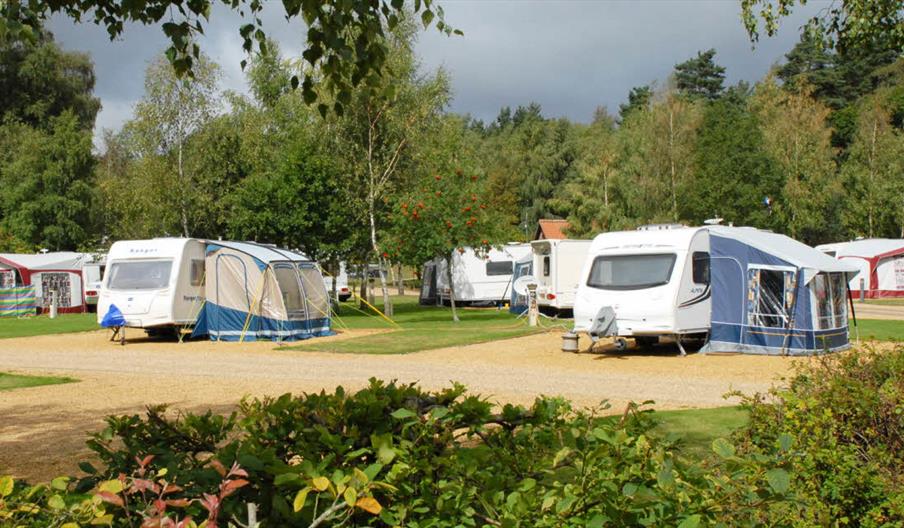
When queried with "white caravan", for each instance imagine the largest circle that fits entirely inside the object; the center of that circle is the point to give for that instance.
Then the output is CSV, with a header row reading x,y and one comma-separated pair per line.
x,y
632,272
744,289
480,279
557,268
155,283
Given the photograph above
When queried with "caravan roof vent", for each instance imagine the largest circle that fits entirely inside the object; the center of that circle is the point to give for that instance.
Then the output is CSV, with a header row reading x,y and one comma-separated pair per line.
x,y
660,227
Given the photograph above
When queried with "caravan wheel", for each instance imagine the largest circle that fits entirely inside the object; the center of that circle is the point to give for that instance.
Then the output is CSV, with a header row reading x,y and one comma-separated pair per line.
x,y
621,344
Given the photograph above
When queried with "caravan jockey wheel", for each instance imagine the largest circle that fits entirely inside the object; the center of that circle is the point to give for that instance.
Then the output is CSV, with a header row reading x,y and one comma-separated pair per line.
x,y
621,344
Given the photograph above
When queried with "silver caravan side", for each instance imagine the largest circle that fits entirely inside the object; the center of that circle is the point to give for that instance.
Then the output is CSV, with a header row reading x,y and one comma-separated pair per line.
x,y
645,284
155,283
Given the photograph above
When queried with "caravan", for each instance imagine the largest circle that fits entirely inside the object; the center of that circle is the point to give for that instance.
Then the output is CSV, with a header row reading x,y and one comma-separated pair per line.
x,y
742,289
478,278
880,262
156,284
558,265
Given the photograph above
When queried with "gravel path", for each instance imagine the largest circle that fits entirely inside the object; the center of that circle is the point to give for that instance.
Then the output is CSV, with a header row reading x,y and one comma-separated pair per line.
x,y
42,429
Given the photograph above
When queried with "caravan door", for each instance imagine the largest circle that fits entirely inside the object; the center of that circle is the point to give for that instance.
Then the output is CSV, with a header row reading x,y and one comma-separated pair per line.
x,y
694,299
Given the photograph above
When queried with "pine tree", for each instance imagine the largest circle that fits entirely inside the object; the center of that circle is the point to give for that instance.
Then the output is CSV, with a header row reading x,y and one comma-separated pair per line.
x,y
700,76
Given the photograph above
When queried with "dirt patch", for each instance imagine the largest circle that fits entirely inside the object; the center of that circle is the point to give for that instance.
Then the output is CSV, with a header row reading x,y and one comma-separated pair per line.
x,y
43,429
879,311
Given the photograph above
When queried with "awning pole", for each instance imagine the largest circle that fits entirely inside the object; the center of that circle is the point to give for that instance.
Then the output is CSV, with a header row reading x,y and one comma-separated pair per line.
x,y
853,314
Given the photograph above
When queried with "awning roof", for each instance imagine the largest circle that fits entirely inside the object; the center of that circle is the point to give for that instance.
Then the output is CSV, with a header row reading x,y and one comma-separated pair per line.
x,y
264,253
811,260
866,248
62,260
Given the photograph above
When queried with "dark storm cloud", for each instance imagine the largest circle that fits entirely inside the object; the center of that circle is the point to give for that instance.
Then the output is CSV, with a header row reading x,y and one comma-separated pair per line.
x,y
568,56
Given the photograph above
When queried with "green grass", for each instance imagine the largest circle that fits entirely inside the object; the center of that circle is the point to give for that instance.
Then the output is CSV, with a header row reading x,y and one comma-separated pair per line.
x,y
421,328
886,302
697,428
17,381
43,325
879,329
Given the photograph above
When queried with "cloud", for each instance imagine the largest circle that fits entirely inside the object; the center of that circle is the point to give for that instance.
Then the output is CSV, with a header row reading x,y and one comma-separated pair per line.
x,y
569,56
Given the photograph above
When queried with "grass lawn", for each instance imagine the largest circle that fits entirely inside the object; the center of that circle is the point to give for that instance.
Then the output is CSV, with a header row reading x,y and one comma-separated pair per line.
x,y
17,381
43,325
421,328
886,302
697,428
879,329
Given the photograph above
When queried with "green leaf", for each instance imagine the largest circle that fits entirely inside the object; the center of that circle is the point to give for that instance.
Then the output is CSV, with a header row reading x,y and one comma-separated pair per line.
x,y
6,486
60,483
286,478
560,456
427,17
779,480
373,470
351,497
597,521
87,468
401,414
628,490
300,498
111,486
723,448
785,441
690,522
56,503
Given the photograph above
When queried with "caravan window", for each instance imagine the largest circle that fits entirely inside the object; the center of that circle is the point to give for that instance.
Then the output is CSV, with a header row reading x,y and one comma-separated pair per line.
x,y
197,272
769,297
700,267
631,272
830,300
499,268
140,274
291,293
546,266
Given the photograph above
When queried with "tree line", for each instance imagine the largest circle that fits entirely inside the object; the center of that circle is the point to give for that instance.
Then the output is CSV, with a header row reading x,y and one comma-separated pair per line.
x,y
814,150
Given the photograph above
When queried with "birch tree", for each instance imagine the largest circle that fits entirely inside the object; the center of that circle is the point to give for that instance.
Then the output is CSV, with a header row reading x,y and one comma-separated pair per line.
x,y
379,129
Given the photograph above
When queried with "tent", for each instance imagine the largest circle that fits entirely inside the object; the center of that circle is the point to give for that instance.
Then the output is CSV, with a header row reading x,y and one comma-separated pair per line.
x,y
880,262
774,295
61,271
256,292
523,267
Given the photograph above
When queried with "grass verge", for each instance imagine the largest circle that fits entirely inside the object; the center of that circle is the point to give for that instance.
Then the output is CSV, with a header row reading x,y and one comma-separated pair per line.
x,y
878,329
43,325
697,428
18,381
421,328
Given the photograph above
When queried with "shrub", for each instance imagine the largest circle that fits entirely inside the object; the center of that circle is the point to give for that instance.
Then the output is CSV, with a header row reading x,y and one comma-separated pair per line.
x,y
845,414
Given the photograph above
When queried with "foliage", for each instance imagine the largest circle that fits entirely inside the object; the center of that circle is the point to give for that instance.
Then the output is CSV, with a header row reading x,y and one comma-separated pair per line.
x,y
700,76
45,175
345,41
396,455
638,99
40,81
844,415
846,24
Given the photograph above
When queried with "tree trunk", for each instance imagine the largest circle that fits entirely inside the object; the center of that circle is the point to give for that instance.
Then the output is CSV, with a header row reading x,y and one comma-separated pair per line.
x,y
672,166
363,290
334,269
449,260
183,205
387,303
400,279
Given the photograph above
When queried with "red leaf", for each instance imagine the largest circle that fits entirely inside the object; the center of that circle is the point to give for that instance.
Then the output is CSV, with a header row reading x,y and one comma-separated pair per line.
x,y
178,503
232,485
106,496
218,466
171,488
237,470
160,505
145,461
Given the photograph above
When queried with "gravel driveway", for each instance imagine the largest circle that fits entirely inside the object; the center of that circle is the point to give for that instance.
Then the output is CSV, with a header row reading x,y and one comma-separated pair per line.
x,y
42,429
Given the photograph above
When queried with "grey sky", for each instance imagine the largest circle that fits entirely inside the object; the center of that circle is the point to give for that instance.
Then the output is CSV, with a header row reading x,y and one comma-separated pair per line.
x,y
569,56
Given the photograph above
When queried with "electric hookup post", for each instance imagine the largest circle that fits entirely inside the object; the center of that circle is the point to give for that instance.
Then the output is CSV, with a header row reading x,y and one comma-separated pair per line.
x,y
532,314
862,289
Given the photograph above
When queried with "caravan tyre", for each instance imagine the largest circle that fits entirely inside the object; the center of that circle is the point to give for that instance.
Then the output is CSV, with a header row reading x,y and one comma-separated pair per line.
x,y
621,344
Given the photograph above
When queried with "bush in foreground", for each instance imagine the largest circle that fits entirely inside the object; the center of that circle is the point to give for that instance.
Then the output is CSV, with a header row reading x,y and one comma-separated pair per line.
x,y
395,455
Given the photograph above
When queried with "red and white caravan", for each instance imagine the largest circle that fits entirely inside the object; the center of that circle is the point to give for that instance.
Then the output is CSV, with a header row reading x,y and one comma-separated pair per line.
x,y
881,264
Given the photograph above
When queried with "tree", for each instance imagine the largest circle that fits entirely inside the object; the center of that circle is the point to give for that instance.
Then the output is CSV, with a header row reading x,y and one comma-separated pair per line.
x,y
734,173
797,137
39,81
377,132
874,173
45,177
171,110
843,25
638,99
345,42
700,76
446,209
658,163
